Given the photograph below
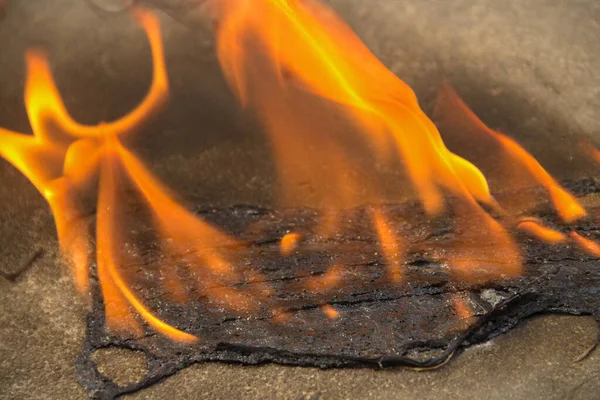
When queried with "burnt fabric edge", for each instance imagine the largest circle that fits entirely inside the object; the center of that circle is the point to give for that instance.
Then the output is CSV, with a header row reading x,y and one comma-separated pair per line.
x,y
524,302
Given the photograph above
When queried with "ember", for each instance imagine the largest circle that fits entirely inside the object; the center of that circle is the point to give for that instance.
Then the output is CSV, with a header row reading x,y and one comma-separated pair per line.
x,y
291,63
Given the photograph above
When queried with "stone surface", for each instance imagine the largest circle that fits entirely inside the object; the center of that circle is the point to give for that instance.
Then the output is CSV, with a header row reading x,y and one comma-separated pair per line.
x,y
122,366
530,68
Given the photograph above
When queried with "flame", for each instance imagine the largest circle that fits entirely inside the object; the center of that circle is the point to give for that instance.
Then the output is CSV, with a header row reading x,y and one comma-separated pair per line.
x,y
115,289
587,245
330,279
536,229
330,61
390,245
289,243
45,105
591,151
330,312
306,54
333,113
463,309
62,159
516,157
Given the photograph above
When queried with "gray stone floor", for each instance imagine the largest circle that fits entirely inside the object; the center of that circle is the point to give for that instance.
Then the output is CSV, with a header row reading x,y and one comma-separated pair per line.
x,y
530,68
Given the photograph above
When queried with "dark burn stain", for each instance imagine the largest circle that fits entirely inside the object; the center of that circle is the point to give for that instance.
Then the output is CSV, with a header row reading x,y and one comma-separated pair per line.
x,y
381,325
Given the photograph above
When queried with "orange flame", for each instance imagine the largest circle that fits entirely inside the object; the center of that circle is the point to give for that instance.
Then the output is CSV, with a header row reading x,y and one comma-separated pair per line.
x,y
289,243
517,157
107,237
44,103
321,95
536,229
328,280
463,309
305,50
591,151
62,158
330,312
307,41
587,245
390,245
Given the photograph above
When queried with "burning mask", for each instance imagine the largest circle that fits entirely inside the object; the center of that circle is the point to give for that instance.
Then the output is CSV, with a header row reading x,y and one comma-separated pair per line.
x,y
338,121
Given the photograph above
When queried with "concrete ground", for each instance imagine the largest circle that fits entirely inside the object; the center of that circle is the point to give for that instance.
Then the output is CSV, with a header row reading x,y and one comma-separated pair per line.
x,y
530,68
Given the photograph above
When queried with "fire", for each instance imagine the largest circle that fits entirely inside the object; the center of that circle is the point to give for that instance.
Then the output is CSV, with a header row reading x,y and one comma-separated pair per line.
x,y
62,158
591,151
463,310
307,42
333,114
117,295
536,229
330,312
587,245
306,55
515,157
326,281
289,243
390,245
44,104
